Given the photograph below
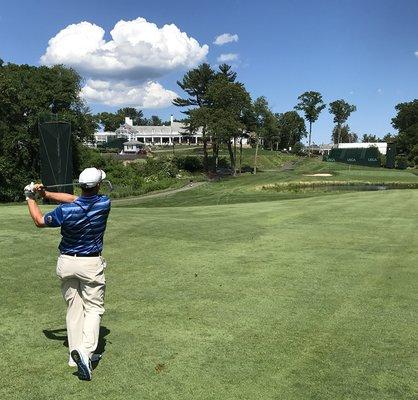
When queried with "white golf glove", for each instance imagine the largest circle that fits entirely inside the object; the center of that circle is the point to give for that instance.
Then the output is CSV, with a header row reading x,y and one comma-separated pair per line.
x,y
29,191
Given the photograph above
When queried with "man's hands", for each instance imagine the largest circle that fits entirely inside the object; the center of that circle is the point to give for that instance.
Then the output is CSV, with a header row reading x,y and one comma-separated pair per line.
x,y
29,191
40,189
34,190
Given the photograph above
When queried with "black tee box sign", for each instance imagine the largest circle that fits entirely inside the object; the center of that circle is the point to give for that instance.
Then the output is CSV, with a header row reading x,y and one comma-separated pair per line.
x,y
56,155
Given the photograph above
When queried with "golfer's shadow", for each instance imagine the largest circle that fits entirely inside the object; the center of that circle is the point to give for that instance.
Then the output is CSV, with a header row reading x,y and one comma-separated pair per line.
x,y
61,334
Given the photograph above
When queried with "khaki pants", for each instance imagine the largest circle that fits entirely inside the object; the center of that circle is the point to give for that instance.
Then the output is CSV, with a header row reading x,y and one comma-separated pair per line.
x,y
83,288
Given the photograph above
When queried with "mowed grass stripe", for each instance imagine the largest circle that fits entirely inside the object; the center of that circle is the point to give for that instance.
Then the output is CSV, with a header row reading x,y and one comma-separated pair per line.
x,y
297,299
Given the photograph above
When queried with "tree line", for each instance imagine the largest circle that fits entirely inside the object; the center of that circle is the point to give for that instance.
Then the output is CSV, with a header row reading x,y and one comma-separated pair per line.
x,y
224,110
214,100
29,95
222,107
111,121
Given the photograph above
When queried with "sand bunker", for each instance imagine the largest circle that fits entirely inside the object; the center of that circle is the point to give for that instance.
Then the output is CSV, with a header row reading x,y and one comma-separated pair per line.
x,y
319,175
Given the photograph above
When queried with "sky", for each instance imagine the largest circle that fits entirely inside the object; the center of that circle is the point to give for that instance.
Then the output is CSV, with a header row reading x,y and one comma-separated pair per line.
x,y
131,53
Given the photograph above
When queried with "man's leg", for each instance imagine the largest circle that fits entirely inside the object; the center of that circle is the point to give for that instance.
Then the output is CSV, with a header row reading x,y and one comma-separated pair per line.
x,y
92,294
70,289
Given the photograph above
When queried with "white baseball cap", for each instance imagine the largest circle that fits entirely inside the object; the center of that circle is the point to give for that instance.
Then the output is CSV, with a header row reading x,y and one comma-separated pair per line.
x,y
91,177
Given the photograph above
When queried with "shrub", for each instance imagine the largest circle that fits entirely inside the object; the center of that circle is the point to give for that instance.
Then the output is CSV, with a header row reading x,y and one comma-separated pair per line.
x,y
193,163
298,148
189,163
223,162
401,162
161,167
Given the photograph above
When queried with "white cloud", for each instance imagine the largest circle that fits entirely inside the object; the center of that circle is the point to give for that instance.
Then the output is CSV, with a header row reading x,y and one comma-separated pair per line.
x,y
227,57
225,38
138,53
416,53
138,49
146,95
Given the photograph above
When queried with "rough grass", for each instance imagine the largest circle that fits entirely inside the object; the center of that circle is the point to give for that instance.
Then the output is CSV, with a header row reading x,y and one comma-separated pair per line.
x,y
310,298
346,185
266,160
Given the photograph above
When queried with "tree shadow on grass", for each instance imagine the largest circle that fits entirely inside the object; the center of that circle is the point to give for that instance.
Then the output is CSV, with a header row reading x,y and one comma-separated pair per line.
x,y
61,335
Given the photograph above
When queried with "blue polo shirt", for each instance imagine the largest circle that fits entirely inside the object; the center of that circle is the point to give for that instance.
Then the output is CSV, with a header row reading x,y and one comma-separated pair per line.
x,y
83,224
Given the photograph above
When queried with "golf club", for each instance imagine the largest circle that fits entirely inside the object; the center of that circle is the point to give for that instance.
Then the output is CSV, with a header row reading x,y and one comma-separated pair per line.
x,y
77,184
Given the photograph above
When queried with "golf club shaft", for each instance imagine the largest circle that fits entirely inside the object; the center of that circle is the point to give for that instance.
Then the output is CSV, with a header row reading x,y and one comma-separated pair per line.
x,y
75,184
61,185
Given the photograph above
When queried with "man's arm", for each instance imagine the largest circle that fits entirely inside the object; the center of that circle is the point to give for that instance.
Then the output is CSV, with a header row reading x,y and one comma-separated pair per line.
x,y
55,217
58,197
36,213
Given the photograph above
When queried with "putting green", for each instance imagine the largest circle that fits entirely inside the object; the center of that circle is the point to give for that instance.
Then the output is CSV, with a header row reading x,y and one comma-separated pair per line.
x,y
311,298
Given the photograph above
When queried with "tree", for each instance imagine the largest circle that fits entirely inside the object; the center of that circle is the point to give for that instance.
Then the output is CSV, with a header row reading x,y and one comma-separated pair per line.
x,y
389,138
370,139
311,104
266,125
110,121
406,122
195,83
225,70
156,121
249,121
228,102
137,116
341,111
29,95
343,135
291,129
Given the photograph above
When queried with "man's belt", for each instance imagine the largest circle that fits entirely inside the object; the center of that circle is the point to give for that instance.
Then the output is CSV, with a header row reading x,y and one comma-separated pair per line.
x,y
82,254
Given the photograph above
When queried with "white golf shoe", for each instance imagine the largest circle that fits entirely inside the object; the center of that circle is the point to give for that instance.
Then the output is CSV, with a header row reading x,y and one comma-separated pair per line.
x,y
71,362
83,364
94,358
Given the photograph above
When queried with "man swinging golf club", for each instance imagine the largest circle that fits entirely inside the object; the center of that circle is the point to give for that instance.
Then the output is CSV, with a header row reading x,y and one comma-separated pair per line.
x,y
80,265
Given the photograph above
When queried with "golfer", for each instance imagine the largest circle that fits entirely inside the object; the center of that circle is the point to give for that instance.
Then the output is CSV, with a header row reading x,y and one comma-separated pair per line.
x,y
80,265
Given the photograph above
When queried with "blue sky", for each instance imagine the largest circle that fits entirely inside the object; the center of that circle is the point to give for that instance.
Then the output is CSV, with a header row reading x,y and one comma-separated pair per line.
x,y
361,51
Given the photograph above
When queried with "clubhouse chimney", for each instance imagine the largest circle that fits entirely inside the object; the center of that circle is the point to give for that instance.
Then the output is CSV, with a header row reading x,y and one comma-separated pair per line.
x,y
171,120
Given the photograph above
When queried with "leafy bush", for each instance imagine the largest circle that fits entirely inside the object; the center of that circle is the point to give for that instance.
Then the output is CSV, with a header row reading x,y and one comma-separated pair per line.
x,y
193,163
401,162
161,167
223,162
116,143
189,163
298,148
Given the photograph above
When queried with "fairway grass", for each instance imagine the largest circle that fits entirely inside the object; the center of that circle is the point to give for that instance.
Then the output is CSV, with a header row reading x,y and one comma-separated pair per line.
x,y
311,298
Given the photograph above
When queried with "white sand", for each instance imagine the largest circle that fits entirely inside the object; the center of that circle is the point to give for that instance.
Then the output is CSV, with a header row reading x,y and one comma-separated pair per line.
x,y
319,175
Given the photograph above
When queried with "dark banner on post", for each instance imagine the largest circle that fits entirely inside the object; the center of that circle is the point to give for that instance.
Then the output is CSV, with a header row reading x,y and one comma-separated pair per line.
x,y
369,156
56,155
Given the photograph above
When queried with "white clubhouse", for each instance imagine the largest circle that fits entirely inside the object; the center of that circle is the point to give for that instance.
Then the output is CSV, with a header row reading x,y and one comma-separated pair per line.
x,y
138,135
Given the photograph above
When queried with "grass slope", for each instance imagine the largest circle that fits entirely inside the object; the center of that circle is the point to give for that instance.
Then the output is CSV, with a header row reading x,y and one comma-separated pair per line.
x,y
299,299
246,188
